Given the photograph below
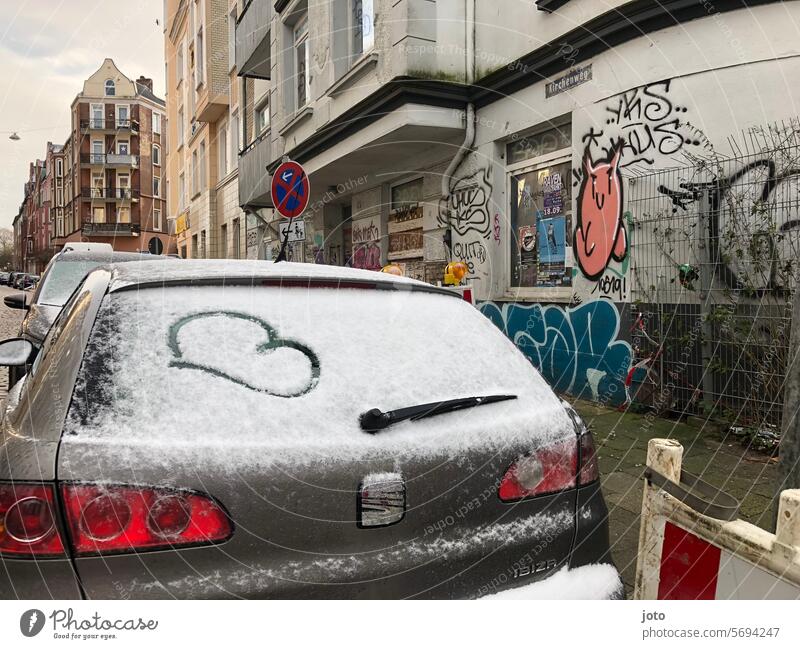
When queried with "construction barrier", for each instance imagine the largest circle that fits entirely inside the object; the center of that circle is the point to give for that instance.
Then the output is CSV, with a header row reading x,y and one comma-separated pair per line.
x,y
467,292
693,546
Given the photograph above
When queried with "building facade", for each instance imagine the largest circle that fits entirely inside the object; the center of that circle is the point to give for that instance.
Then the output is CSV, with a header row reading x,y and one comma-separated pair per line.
x,y
204,128
117,165
548,146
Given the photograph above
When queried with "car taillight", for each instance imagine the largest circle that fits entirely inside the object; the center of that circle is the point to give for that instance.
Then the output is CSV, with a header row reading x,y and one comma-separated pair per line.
x,y
125,519
589,471
545,471
28,521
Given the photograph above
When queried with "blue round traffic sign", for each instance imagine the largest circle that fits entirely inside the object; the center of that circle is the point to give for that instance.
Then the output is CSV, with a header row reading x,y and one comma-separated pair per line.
x,y
290,189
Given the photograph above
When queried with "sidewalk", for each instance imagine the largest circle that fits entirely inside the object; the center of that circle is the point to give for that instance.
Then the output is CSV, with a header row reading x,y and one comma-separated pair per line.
x,y
621,440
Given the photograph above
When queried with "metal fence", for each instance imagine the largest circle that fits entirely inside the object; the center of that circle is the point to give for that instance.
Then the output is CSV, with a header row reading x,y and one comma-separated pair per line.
x,y
714,254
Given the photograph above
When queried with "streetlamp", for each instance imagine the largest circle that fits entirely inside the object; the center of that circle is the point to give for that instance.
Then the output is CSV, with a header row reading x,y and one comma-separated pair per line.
x,y
14,137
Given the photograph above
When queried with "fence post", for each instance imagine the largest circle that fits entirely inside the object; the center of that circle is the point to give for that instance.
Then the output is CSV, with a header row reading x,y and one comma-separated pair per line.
x,y
707,266
665,457
789,453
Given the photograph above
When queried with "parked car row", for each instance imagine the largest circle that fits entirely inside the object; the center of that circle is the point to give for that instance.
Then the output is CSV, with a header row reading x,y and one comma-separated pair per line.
x,y
19,280
173,420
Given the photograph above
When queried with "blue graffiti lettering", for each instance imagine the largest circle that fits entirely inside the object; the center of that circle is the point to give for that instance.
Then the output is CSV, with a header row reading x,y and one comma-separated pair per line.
x,y
576,349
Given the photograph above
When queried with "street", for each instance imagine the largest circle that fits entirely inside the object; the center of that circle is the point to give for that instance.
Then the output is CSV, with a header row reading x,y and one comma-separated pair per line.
x,y
10,320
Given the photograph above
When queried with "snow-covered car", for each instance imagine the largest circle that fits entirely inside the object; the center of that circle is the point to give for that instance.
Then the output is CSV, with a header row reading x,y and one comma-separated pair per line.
x,y
250,429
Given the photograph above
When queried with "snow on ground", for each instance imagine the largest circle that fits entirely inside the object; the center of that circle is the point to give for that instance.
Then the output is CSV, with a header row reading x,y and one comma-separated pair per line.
x,y
597,581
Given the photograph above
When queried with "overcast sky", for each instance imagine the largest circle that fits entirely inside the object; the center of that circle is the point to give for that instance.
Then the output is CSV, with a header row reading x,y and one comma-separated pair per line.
x,y
47,49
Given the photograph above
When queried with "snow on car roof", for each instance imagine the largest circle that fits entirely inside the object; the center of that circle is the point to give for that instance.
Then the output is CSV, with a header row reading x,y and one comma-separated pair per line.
x,y
193,270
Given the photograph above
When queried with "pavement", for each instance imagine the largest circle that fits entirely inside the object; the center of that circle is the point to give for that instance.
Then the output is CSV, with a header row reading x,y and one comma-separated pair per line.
x,y
720,459
10,320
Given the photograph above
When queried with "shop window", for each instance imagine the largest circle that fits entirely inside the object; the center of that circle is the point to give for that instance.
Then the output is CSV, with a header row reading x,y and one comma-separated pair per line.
x,y
541,209
405,228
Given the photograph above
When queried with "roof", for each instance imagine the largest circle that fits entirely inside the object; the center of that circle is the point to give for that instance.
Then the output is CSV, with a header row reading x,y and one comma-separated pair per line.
x,y
145,92
112,257
213,271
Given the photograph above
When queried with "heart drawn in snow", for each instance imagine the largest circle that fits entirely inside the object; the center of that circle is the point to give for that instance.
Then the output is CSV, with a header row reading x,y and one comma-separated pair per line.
x,y
272,365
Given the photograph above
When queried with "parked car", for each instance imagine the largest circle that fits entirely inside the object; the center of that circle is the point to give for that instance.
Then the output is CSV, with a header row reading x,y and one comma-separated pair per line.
x,y
62,275
18,279
11,277
28,281
249,429
4,278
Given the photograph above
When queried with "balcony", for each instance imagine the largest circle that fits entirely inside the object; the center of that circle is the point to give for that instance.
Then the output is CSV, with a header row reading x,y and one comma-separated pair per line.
x,y
110,159
253,40
110,193
102,124
254,180
110,229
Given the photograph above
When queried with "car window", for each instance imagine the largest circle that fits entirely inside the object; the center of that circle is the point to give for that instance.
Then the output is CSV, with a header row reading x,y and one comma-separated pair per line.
x,y
62,279
271,363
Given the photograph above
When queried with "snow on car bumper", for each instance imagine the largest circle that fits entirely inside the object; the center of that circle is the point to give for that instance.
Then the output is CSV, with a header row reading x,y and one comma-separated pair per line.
x,y
596,581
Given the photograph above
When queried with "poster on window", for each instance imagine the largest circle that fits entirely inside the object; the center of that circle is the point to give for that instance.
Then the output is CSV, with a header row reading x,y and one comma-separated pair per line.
x,y
527,245
552,242
552,195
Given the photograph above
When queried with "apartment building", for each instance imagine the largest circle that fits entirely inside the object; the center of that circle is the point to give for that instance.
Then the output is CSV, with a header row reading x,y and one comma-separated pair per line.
x,y
114,191
439,130
34,240
54,196
203,111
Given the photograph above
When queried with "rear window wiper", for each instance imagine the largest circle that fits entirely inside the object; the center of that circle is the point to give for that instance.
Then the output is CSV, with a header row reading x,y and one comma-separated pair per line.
x,y
375,420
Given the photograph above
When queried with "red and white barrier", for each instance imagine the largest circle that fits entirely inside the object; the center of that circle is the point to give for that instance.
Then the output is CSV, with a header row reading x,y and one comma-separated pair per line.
x,y
684,554
467,292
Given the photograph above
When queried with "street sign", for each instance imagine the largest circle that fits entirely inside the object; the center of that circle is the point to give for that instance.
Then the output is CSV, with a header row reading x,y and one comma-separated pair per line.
x,y
290,189
295,228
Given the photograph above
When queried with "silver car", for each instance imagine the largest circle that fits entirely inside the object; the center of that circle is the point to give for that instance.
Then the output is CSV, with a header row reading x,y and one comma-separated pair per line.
x,y
249,429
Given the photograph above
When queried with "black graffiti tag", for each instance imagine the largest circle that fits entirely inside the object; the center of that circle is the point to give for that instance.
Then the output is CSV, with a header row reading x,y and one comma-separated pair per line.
x,y
467,210
719,193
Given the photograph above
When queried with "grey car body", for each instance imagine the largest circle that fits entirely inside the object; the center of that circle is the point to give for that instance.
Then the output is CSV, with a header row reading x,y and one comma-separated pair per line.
x,y
286,459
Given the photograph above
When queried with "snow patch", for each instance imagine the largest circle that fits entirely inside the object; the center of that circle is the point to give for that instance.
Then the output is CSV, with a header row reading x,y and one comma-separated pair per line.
x,y
596,581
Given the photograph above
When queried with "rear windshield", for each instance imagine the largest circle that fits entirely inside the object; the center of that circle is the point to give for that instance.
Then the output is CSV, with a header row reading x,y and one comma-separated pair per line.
x,y
62,279
296,367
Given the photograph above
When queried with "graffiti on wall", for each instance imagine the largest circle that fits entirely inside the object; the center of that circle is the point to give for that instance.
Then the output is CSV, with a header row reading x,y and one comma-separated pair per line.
x,y
600,234
649,122
752,229
576,349
467,210
365,237
472,253
467,213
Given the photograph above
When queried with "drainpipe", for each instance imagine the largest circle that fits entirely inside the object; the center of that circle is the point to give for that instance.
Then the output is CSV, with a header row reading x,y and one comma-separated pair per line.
x,y
469,136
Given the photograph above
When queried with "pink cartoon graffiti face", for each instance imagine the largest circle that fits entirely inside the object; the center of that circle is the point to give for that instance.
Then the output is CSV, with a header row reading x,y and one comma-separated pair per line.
x,y
600,234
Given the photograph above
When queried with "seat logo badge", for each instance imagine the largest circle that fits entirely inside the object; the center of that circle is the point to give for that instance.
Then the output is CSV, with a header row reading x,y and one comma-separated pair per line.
x,y
381,500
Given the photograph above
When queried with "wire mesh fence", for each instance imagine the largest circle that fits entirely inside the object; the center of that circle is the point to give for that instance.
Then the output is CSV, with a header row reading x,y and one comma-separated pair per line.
x,y
714,253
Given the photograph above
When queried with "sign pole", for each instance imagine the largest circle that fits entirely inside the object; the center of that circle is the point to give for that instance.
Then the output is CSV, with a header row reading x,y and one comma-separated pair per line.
x,y
290,191
282,253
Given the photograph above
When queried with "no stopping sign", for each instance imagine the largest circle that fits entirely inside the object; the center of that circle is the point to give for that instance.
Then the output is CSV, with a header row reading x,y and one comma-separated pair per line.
x,y
290,189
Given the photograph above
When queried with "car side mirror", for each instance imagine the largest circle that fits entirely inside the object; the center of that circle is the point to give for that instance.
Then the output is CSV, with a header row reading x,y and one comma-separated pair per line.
x,y
15,301
15,352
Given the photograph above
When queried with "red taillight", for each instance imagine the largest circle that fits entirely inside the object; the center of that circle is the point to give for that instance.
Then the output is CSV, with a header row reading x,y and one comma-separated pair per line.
x,y
548,470
28,521
589,471
126,519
